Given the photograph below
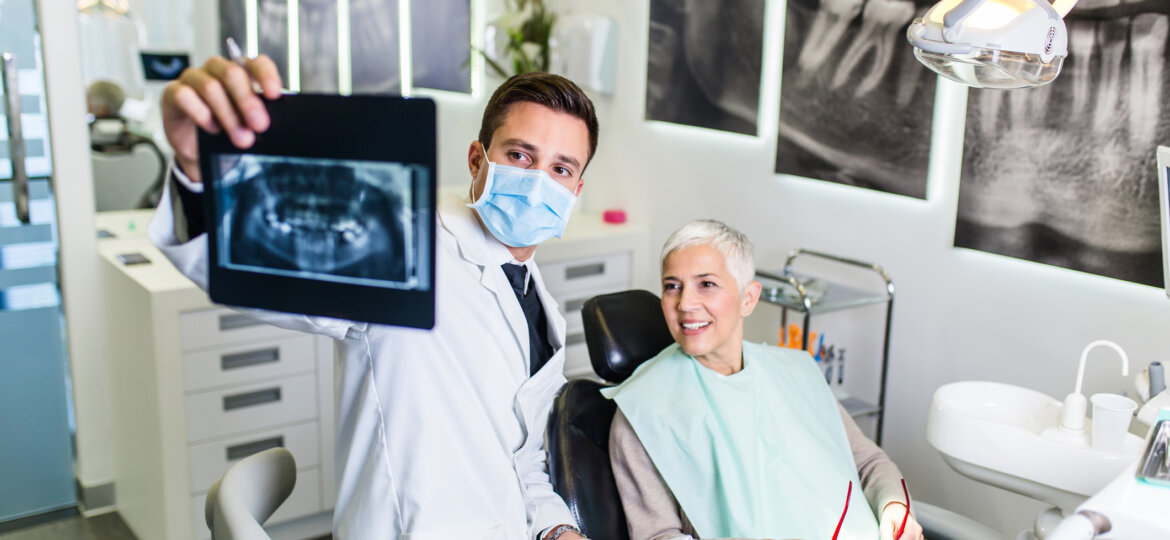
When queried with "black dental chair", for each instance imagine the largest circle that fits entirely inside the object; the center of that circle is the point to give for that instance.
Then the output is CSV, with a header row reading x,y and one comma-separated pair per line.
x,y
622,330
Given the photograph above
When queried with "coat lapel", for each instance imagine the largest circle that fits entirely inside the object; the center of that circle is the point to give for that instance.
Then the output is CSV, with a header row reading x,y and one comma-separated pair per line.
x,y
494,280
478,247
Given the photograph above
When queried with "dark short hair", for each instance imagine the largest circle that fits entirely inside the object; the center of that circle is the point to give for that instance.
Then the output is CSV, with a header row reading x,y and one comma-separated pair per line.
x,y
552,91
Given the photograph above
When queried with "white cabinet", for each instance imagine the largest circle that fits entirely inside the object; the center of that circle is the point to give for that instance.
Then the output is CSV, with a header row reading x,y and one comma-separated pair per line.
x,y
197,387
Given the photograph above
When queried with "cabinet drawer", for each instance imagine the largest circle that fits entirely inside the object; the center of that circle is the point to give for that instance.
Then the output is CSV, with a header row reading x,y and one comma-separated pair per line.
x,y
248,362
210,460
249,407
571,306
214,327
603,272
305,500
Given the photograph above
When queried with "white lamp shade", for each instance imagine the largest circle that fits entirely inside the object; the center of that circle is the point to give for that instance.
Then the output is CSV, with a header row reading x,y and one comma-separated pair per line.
x,y
993,43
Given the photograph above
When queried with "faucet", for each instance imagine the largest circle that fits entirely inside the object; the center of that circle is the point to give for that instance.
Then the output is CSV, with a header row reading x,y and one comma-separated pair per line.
x,y
1072,415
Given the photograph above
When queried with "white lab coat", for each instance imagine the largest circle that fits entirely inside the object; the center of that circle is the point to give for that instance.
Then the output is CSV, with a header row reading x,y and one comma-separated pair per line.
x,y
440,433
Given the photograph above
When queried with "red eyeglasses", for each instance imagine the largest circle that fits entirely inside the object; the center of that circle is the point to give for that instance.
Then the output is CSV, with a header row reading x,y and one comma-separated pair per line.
x,y
843,512
902,528
849,493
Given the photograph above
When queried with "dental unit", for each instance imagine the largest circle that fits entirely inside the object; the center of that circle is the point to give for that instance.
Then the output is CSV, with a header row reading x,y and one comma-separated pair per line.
x,y
993,43
1094,474
1133,505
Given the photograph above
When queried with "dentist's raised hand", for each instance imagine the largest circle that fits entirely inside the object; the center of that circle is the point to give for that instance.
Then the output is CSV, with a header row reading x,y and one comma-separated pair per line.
x,y
217,97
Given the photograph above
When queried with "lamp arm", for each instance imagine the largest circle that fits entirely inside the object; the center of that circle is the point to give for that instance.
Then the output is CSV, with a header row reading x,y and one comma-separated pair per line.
x,y
1063,6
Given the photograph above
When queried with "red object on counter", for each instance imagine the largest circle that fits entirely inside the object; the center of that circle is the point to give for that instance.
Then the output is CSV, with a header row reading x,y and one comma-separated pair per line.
x,y
615,217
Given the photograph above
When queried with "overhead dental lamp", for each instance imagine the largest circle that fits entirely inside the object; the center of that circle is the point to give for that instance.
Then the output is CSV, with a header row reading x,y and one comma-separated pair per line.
x,y
993,43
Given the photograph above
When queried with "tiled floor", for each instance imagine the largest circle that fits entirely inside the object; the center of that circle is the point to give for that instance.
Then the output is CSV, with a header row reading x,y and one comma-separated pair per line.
x,y
103,527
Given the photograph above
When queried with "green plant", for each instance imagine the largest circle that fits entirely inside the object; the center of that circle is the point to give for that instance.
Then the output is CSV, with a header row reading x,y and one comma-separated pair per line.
x,y
527,26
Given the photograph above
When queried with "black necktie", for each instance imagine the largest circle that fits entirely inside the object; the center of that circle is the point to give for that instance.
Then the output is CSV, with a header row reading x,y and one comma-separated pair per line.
x,y
539,349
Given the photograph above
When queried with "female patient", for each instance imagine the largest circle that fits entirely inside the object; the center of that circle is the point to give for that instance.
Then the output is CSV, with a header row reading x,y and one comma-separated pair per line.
x,y
719,438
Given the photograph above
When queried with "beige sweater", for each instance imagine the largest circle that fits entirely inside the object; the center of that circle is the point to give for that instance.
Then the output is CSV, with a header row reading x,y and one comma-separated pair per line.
x,y
653,513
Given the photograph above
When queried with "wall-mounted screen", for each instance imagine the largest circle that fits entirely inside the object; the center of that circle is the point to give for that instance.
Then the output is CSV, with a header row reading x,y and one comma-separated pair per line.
x,y
163,66
331,212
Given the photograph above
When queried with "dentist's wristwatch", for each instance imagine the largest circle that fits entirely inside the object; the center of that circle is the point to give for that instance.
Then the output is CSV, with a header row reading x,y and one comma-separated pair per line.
x,y
562,529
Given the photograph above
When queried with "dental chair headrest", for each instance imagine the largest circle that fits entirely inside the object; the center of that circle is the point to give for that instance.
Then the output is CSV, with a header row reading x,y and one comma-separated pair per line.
x,y
622,330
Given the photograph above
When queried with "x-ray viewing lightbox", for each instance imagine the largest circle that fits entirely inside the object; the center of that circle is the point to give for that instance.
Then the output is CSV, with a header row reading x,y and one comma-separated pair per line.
x,y
330,213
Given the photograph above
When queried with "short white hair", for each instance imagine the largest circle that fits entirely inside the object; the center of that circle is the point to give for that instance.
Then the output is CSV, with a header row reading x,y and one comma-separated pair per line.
x,y
738,253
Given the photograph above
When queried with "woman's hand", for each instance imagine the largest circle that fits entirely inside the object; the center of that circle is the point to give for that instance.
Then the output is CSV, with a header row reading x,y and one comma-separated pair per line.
x,y
892,519
217,97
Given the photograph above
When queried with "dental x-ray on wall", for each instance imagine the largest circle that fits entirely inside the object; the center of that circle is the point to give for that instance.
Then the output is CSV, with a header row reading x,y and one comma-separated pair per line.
x,y
440,35
440,46
704,63
1064,174
855,106
324,216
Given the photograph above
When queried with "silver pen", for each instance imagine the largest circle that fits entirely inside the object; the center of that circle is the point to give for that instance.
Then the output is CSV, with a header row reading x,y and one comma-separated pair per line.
x,y
234,52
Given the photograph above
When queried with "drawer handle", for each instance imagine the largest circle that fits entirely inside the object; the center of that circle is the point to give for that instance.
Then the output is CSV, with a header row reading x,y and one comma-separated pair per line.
x,y
575,305
236,321
241,451
584,270
250,358
251,399
574,339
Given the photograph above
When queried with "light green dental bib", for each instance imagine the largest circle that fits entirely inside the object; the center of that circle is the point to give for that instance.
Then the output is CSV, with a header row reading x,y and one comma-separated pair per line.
x,y
761,453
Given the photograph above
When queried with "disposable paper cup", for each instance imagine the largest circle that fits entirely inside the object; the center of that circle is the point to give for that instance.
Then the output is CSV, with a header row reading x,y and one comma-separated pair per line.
x,y
1111,416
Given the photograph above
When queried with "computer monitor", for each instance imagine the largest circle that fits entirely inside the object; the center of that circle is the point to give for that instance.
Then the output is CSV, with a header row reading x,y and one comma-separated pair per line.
x,y
330,213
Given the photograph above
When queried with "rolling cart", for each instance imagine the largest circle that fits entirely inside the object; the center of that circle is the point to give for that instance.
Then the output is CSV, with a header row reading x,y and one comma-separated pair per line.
x,y
788,291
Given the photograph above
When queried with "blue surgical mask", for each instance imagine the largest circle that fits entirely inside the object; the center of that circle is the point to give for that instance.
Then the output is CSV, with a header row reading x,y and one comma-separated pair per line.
x,y
523,207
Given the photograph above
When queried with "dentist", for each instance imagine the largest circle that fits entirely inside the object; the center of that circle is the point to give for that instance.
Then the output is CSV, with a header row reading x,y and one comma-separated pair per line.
x,y
439,432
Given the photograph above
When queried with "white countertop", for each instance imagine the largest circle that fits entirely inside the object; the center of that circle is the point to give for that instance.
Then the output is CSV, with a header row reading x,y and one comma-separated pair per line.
x,y
123,224
157,276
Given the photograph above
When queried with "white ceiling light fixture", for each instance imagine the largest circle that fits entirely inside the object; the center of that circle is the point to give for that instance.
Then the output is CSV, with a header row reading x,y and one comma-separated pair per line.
x,y
993,43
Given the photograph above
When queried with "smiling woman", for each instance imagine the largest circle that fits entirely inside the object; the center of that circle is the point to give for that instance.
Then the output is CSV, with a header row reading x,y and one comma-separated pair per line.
x,y
707,290
719,438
